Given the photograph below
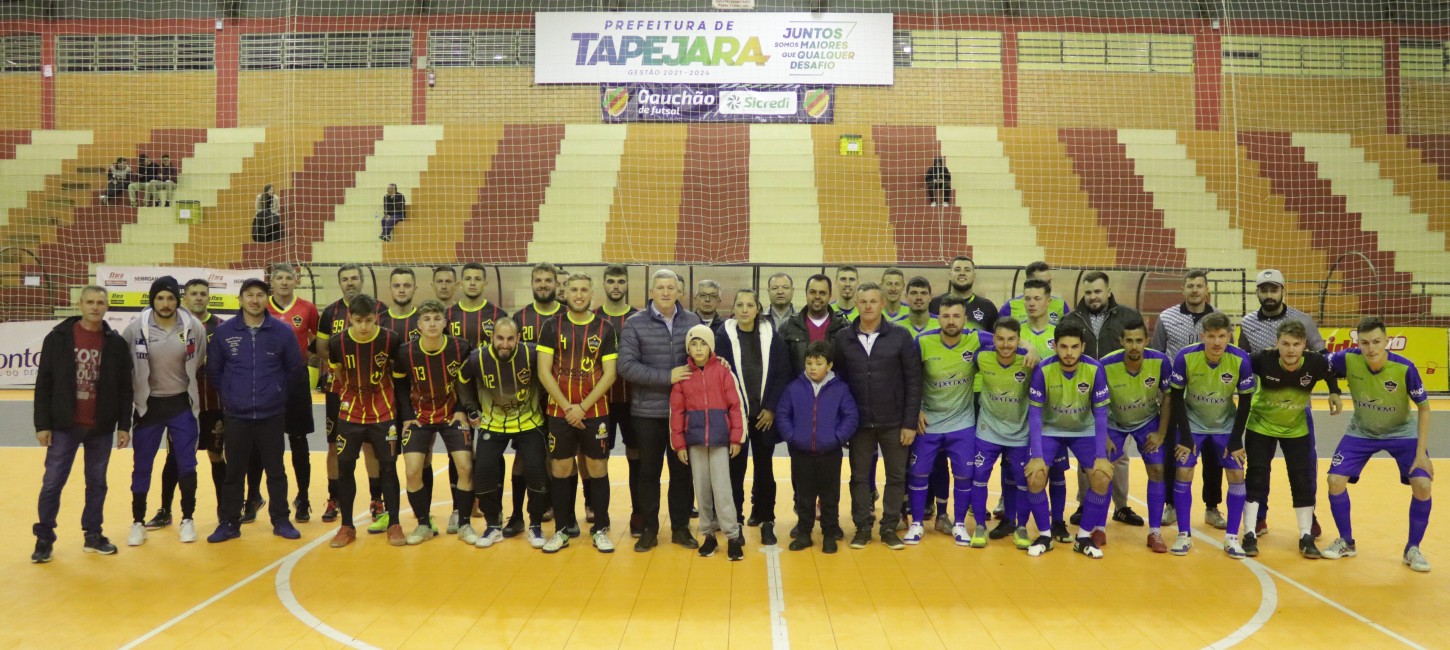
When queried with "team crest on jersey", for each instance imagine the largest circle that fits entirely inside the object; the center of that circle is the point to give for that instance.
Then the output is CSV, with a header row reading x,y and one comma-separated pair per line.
x,y
296,321
524,375
978,460
1390,385
380,359
594,343
453,368
968,355
977,315
1306,380
1052,318
1228,377
1082,387
1338,458
1150,381
1020,376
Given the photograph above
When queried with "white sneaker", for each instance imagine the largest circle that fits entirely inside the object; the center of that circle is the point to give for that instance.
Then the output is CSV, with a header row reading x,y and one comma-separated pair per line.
x,y
536,536
1042,545
558,542
602,541
453,523
466,534
961,536
1213,517
1234,548
421,534
188,531
1170,516
914,534
138,534
933,204
1181,545
489,537
1416,560
1339,549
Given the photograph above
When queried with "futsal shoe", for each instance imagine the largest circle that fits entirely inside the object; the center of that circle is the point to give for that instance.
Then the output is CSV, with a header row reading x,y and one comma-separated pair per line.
x,y
1212,517
1182,545
998,509
914,534
1251,545
1338,549
684,538
467,535
453,523
734,550
224,531
892,540
1003,529
979,537
1170,516
828,544
1308,549
767,533
188,531
636,526
1234,549
514,526
161,520
396,536
1261,528
1125,515
345,535
648,539
329,511
1042,545
1085,546
138,534
558,542
1416,560
801,543
1020,538
492,535
422,533
286,530
1155,542
1060,533
862,538
1076,518
602,542
101,545
381,524
944,523
707,548
42,552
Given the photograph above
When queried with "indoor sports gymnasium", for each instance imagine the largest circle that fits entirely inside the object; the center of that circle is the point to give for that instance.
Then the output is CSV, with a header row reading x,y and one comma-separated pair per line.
x,y
754,235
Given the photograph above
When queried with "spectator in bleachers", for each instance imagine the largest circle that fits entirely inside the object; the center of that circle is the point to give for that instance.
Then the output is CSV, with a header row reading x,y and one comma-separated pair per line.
x,y
395,209
267,222
939,183
164,183
145,173
117,176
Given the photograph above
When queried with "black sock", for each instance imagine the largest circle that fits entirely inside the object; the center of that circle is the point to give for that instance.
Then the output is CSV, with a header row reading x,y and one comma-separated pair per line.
x,y
633,484
138,506
520,487
375,488
573,518
452,473
332,489
428,481
463,503
419,500
188,495
599,490
168,481
562,493
588,498
218,476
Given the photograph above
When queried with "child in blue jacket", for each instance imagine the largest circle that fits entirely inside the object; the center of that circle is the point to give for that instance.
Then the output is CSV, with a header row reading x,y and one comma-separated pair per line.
x,y
816,418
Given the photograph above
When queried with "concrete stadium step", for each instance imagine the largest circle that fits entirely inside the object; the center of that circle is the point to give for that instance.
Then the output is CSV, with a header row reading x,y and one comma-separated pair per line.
x,y
785,221
575,226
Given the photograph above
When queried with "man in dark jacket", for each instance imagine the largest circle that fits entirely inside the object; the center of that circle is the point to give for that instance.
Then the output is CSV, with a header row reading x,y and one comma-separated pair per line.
x,y
652,360
82,395
756,354
395,209
251,360
823,323
1102,319
882,365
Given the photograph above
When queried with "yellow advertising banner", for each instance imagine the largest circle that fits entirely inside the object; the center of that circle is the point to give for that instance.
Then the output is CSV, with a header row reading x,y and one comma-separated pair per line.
x,y
1427,347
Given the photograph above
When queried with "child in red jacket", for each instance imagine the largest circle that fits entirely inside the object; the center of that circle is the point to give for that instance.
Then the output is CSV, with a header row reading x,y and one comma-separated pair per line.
x,y
706,431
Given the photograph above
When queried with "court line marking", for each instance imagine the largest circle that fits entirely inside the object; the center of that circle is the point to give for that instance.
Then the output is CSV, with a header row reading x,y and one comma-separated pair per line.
x,y
242,583
779,630
1351,613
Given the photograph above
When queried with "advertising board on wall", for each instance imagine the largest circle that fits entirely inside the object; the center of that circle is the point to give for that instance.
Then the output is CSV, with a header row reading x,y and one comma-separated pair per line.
x,y
1427,347
781,103
712,48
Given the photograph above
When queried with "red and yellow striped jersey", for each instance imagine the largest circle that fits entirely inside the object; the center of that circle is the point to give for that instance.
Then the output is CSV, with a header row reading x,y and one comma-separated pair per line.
x,y
579,350
433,376
362,376
474,327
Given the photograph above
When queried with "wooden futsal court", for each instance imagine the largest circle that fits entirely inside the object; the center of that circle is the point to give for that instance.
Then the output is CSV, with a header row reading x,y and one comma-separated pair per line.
x,y
262,591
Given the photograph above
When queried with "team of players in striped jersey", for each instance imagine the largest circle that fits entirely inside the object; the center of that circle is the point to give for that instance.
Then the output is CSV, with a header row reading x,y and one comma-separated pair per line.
x,y
1015,384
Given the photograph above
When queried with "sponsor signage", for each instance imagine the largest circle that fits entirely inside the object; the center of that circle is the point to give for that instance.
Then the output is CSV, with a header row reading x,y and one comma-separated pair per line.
x,y
130,288
1427,347
791,103
20,345
712,48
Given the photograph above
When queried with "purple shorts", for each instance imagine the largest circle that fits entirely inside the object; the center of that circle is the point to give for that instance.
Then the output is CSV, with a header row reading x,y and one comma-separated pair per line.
x,y
1210,443
986,458
959,447
1352,453
1140,438
1057,448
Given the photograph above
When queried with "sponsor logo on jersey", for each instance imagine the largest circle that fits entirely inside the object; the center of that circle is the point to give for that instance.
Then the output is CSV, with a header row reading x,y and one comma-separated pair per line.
x,y
1082,387
1227,378
1390,385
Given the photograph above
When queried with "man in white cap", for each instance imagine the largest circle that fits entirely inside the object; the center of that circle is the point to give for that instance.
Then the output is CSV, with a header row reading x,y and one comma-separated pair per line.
x,y
1259,330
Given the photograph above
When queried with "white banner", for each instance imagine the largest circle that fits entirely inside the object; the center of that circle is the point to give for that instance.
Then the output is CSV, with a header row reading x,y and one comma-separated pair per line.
x,y
130,288
20,345
711,48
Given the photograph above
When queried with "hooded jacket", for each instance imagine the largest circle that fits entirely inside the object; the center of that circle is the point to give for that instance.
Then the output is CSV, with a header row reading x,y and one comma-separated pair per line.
x,y
706,408
55,381
648,351
774,362
1108,339
192,331
817,422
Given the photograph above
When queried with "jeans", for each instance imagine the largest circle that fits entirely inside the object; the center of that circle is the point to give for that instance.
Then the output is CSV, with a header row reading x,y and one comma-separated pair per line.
x,y
863,456
59,458
655,453
390,221
242,437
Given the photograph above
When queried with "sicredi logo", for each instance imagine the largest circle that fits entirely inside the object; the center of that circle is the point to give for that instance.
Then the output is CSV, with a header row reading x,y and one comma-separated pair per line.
x,y
754,102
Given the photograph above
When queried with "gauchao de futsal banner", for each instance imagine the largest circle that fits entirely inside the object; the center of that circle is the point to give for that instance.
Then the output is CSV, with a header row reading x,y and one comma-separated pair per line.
x,y
788,103
1427,347
712,48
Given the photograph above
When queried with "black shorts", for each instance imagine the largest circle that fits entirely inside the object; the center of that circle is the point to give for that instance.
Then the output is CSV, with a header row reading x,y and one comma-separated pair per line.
x,y
620,420
212,432
330,413
419,439
566,442
350,438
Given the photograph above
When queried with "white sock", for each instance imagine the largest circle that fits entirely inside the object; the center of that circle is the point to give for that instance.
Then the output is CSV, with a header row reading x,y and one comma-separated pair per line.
x,y
1305,516
1155,530
1251,515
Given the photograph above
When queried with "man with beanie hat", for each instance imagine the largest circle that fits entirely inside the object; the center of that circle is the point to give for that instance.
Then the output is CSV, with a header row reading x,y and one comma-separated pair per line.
x,y
251,359
167,346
